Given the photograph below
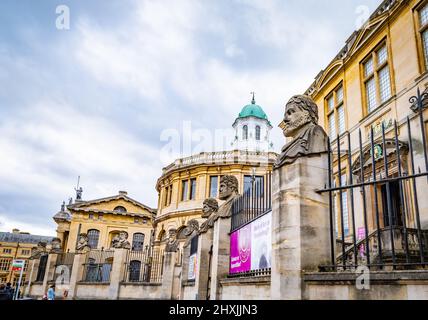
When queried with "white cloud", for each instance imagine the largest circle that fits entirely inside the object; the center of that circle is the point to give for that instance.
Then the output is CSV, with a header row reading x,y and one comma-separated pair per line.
x,y
178,58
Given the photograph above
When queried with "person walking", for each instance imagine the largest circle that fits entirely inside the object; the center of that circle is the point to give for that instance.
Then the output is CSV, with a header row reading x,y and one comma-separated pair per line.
x,y
51,293
9,291
3,294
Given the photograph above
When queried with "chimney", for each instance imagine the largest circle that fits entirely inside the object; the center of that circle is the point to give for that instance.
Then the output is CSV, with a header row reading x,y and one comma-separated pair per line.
x,y
123,193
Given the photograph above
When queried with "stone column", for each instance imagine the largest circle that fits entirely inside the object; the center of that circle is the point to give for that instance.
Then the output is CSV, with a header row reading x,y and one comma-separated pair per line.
x,y
168,275
50,270
205,242
221,255
300,225
76,274
117,272
185,266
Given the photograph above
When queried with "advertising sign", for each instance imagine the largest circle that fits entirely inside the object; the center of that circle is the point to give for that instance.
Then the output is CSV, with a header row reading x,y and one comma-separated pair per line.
x,y
361,236
193,263
250,247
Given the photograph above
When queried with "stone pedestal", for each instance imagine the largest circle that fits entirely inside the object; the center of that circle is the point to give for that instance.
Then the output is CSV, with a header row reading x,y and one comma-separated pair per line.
x,y
168,275
76,274
221,255
117,272
205,242
300,225
33,266
50,271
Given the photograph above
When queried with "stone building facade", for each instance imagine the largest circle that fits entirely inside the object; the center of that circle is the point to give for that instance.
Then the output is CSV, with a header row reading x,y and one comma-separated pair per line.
x,y
367,85
103,219
187,182
17,245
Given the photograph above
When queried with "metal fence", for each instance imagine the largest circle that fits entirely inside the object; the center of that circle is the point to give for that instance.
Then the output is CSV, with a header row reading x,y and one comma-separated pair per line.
x,y
63,266
144,266
253,273
98,265
255,202
385,175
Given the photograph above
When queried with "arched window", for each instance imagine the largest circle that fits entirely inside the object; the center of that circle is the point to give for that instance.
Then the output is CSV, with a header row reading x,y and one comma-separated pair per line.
x,y
258,133
138,242
93,237
134,271
120,209
245,132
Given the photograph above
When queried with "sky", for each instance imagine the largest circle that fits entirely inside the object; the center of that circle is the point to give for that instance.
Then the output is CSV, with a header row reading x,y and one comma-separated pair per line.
x,y
107,95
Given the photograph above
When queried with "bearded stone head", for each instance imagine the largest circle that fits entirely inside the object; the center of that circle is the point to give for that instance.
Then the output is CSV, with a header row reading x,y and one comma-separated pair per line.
x,y
123,235
299,111
192,226
228,187
210,206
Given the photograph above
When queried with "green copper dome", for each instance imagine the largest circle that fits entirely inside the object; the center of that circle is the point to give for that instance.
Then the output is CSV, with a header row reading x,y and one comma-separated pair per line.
x,y
253,110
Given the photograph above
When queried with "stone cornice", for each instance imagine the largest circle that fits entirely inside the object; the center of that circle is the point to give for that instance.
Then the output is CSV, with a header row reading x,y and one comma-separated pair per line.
x,y
225,158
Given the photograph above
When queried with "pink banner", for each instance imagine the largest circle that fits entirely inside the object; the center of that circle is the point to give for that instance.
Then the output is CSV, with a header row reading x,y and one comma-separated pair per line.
x,y
240,250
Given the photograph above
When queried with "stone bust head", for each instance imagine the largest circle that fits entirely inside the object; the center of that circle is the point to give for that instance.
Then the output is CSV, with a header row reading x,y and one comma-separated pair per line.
x,y
82,242
172,233
228,187
299,112
301,124
123,236
56,245
192,226
210,205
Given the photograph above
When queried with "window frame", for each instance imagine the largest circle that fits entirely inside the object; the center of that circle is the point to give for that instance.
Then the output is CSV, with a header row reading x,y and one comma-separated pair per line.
x,y
419,30
258,133
210,186
193,186
377,68
89,239
137,241
334,112
245,132
337,212
184,192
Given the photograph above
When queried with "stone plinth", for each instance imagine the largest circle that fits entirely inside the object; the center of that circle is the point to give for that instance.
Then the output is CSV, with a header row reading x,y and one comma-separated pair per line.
x,y
76,274
221,256
168,275
33,266
205,243
49,271
300,225
117,272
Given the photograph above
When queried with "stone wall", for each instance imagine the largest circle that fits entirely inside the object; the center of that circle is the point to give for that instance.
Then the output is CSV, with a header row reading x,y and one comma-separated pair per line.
x,y
386,285
257,288
145,291
36,290
92,291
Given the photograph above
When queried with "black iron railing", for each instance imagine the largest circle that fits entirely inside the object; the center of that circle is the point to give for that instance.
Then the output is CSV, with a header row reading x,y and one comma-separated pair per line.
x,y
98,265
63,266
144,266
251,274
254,203
390,185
